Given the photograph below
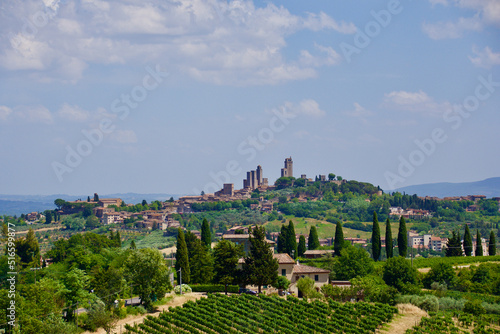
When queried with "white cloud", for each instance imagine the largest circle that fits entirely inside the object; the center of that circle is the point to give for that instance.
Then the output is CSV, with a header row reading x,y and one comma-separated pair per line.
x,y
359,112
73,113
34,114
306,107
488,9
415,102
5,112
124,136
485,58
439,2
445,30
216,41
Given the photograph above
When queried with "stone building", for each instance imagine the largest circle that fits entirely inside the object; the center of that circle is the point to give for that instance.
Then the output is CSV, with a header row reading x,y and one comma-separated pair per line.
x,y
288,170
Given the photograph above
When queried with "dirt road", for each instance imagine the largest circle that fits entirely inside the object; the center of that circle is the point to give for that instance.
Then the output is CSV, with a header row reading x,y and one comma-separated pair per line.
x,y
409,316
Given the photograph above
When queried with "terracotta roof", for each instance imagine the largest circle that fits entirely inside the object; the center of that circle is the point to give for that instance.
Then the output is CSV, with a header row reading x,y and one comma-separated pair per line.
x,y
283,258
301,269
235,236
318,251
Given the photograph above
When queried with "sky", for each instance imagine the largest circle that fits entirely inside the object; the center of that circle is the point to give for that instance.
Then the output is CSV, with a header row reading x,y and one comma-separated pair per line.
x,y
179,97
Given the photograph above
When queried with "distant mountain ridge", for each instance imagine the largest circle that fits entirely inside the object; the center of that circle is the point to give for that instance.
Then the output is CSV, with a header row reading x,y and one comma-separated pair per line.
x,y
19,204
489,187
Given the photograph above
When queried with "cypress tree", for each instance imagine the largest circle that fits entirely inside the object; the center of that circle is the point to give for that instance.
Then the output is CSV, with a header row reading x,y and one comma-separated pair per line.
x,y
301,248
492,245
479,244
291,240
181,258
454,246
282,240
388,239
338,243
313,241
376,243
467,241
118,239
132,245
206,237
402,237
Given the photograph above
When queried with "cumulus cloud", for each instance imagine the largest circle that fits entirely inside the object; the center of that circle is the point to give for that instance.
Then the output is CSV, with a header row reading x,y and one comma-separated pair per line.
x,y
73,113
451,30
307,107
124,136
216,41
415,102
5,112
485,58
37,114
359,112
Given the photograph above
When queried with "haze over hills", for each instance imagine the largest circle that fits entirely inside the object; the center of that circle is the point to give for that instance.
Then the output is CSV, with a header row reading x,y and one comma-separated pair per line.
x,y
19,204
489,187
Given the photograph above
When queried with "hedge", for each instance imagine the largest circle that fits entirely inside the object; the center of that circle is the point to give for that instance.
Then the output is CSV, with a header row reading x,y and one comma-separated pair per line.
x,y
214,288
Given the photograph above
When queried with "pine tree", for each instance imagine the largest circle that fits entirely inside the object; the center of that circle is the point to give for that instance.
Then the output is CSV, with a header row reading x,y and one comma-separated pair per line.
x,y
291,240
454,246
181,258
402,237
338,242
282,240
260,267
313,240
492,245
206,237
376,243
467,241
200,262
479,244
301,248
388,239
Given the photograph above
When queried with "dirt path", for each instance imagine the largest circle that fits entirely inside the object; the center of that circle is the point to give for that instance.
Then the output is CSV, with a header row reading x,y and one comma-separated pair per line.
x,y
408,317
131,320
41,229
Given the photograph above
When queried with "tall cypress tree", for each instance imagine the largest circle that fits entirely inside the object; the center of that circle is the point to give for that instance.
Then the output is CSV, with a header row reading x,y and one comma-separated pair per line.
x,y
454,245
313,240
492,245
479,244
291,240
282,239
338,242
402,237
388,239
206,237
467,241
181,258
376,243
301,248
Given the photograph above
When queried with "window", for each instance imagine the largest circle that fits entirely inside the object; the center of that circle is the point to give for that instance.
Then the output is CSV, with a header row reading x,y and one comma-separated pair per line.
x,y
316,278
283,272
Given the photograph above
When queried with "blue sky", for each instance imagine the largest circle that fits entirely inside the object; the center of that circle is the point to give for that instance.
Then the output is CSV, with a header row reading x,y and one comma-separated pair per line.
x,y
181,96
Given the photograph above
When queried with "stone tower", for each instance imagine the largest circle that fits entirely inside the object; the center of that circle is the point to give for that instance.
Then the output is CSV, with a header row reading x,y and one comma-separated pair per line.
x,y
288,170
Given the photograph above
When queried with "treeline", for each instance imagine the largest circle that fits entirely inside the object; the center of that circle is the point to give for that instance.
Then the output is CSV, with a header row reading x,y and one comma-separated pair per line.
x,y
221,206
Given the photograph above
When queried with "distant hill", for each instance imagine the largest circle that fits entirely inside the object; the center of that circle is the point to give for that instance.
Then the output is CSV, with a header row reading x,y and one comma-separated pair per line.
x,y
489,187
19,204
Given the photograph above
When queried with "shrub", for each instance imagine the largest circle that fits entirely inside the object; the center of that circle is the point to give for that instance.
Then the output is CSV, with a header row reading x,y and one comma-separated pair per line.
x,y
185,289
474,307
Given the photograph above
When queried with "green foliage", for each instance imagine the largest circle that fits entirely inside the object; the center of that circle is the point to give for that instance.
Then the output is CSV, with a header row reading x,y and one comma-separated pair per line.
x,y
200,262
313,240
182,258
402,237
306,286
353,262
492,247
376,243
76,282
260,267
214,288
185,289
28,250
282,283
291,240
98,316
474,307
284,182
441,272
479,245
301,248
206,237
226,255
338,243
399,273
467,241
454,245
147,271
388,239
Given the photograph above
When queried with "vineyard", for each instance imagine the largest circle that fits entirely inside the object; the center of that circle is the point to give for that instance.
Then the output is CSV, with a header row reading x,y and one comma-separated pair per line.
x,y
264,314
443,322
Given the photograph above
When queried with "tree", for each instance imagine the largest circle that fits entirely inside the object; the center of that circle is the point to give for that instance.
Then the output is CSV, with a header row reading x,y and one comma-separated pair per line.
x,y
200,262
132,245
28,249
260,267
181,258
353,262
282,239
96,197
479,244
331,176
282,283
388,239
48,217
338,242
339,178
398,272
454,245
88,198
108,284
306,286
206,237
376,243
301,248
226,255
87,211
492,245
402,237
291,240
149,274
76,282
144,202
441,272
99,316
467,241
92,222
59,203
313,240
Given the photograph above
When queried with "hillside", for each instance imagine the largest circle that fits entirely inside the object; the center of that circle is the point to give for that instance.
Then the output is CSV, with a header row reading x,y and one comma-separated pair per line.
x,y
489,187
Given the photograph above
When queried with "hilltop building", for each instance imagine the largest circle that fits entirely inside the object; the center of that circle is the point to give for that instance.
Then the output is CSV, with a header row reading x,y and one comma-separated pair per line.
x,y
255,179
288,170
